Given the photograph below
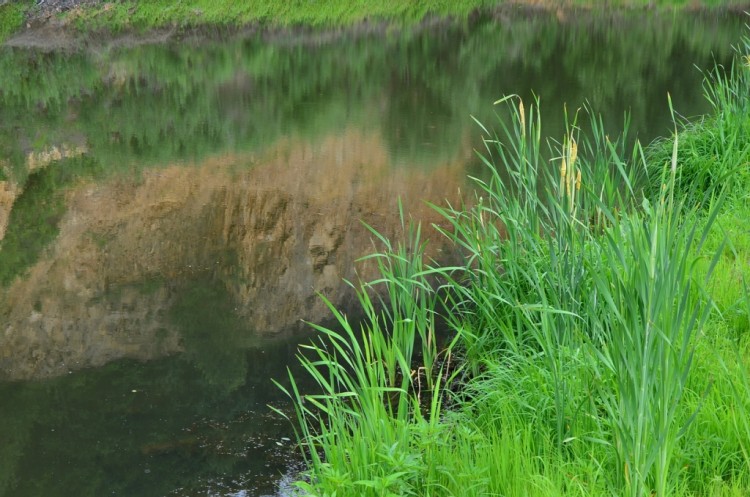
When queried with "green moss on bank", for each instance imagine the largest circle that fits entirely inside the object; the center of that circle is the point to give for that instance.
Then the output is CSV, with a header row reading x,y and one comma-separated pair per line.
x,y
11,18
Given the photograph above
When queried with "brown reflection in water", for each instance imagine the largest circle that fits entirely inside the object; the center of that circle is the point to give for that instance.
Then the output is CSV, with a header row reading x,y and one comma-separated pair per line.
x,y
274,229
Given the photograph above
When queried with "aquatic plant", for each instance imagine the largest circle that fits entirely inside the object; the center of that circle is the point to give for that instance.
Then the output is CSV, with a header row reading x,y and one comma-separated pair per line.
x,y
582,305
378,398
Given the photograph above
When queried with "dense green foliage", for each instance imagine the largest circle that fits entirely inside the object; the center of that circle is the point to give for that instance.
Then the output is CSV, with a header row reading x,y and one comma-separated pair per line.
x,y
11,18
601,313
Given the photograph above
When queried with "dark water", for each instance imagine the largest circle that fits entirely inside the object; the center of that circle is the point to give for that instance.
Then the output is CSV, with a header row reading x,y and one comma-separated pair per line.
x,y
169,212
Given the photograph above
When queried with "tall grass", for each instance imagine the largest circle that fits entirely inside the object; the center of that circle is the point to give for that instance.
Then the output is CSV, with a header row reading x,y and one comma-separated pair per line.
x,y
647,332
582,305
375,404
715,150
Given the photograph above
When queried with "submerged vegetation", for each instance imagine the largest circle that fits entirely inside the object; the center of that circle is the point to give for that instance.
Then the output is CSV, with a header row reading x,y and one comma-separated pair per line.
x,y
600,316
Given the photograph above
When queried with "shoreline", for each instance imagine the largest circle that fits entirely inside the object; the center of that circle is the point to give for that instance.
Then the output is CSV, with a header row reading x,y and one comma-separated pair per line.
x,y
47,31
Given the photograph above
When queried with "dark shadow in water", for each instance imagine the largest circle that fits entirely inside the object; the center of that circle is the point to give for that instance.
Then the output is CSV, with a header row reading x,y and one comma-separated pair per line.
x,y
187,424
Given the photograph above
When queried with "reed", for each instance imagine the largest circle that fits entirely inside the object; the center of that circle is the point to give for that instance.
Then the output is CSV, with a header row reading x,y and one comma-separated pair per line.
x,y
648,334
581,309
376,404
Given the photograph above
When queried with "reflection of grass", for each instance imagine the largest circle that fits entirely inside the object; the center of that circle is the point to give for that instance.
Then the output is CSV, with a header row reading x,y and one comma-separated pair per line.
x,y
162,104
100,239
151,285
35,215
32,226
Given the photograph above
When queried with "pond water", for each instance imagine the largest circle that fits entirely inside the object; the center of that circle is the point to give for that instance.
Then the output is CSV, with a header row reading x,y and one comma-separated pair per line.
x,y
169,212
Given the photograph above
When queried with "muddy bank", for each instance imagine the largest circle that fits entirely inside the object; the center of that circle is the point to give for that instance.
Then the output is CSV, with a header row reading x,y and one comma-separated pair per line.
x,y
275,230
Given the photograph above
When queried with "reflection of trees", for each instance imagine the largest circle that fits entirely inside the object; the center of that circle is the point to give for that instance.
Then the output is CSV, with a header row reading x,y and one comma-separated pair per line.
x,y
160,104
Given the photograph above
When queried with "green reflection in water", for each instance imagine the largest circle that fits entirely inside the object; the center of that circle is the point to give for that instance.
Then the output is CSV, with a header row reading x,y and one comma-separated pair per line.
x,y
161,104
200,312
195,419
33,221
155,105
182,425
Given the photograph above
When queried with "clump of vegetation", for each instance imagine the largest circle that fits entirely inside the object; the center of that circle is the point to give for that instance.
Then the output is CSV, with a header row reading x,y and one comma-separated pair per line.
x,y
90,15
595,358
716,149
11,18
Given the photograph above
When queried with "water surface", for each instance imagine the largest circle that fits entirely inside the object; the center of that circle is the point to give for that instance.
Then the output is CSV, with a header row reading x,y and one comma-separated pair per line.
x,y
168,214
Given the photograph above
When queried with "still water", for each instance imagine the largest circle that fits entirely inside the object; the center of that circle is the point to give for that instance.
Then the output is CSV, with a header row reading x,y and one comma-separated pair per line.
x,y
169,213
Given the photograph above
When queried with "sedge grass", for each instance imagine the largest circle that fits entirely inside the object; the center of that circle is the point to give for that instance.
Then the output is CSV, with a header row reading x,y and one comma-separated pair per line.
x,y
363,429
715,150
600,362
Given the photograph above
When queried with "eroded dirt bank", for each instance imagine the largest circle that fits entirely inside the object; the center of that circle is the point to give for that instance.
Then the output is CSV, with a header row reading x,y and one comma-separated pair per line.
x,y
273,229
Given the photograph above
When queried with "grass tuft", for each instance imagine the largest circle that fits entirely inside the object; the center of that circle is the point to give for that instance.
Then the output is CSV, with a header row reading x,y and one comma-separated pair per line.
x,y
587,316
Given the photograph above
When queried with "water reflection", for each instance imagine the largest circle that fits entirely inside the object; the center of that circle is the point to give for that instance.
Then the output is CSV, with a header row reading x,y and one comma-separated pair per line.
x,y
167,427
274,230
165,209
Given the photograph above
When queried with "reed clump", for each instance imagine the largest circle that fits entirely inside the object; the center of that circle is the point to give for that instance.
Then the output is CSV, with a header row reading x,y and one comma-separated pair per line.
x,y
597,355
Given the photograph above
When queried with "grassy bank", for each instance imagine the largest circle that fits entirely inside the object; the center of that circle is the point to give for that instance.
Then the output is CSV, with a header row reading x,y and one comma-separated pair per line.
x,y
600,317
150,14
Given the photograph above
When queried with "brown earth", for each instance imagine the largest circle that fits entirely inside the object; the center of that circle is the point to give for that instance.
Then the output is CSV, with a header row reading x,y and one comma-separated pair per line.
x,y
275,230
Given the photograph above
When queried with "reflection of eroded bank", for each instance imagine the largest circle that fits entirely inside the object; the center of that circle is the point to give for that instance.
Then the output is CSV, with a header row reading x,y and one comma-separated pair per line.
x,y
274,230
34,161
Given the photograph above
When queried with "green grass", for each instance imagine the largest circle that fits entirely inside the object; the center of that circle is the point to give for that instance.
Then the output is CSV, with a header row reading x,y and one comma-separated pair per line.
x,y
149,14
11,18
165,13
600,315
715,150
158,13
